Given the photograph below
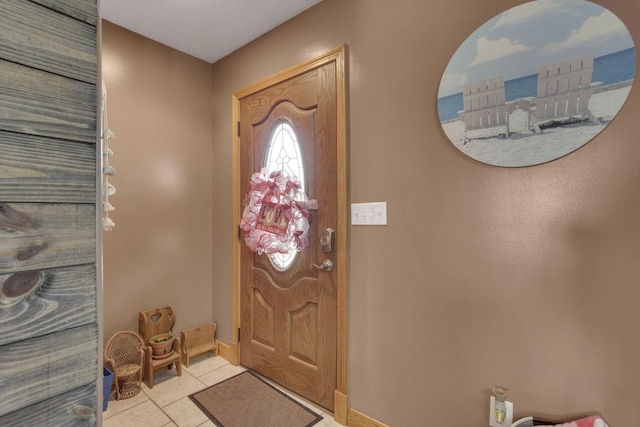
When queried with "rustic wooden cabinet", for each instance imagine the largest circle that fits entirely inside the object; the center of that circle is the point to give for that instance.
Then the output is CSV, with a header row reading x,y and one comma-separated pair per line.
x,y
49,213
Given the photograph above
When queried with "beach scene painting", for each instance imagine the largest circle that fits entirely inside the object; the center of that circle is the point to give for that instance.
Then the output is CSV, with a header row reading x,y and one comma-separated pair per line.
x,y
536,82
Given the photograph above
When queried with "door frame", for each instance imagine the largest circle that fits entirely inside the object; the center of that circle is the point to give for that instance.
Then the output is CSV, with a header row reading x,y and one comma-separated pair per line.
x,y
338,56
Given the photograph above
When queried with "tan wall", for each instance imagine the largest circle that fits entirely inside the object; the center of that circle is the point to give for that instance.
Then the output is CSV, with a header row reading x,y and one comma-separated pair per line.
x,y
523,277
160,252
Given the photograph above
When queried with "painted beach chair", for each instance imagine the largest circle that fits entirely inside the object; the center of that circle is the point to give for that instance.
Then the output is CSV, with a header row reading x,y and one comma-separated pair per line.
x,y
484,106
564,90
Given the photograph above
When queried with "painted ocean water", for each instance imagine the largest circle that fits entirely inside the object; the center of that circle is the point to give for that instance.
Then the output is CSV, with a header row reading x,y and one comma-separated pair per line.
x,y
609,69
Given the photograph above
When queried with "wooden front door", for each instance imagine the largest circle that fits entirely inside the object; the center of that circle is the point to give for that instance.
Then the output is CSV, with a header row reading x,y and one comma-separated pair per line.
x,y
289,310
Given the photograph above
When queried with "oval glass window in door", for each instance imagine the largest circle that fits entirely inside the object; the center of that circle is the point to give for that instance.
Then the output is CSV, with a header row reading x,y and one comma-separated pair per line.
x,y
283,153
536,82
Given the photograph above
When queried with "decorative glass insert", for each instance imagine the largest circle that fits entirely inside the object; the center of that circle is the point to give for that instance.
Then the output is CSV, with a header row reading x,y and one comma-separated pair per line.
x,y
283,153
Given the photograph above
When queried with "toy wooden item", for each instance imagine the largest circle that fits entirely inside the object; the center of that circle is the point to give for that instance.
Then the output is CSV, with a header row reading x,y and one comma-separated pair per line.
x,y
197,341
125,353
155,322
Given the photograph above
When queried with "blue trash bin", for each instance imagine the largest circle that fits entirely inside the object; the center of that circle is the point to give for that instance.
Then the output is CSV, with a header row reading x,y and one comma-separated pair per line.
x,y
106,387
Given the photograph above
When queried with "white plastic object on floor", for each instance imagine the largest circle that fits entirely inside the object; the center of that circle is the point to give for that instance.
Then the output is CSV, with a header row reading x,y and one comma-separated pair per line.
x,y
508,413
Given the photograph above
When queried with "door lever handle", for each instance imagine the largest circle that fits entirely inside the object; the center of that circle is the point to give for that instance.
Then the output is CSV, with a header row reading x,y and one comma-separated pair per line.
x,y
326,265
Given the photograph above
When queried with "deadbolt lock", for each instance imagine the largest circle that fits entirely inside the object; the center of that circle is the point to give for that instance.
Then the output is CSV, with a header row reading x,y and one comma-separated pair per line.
x,y
327,240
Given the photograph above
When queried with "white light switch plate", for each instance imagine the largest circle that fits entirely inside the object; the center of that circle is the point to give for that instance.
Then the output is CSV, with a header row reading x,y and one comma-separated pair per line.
x,y
369,213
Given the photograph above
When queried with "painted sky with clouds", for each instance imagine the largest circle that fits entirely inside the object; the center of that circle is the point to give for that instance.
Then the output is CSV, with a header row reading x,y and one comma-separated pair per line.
x,y
518,41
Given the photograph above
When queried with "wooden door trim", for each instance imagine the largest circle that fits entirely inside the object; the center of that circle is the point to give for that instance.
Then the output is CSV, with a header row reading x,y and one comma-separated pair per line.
x,y
338,56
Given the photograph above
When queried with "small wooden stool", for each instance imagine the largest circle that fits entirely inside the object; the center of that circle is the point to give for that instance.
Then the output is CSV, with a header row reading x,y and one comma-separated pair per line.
x,y
197,341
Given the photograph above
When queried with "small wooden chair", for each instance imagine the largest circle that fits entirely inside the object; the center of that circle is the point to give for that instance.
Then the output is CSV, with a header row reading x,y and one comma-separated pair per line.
x,y
125,353
155,322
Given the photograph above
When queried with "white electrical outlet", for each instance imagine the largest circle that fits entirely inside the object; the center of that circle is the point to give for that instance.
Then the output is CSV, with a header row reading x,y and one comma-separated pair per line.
x,y
507,413
369,213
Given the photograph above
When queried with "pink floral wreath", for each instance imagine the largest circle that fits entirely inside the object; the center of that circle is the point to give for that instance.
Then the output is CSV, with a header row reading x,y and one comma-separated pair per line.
x,y
276,215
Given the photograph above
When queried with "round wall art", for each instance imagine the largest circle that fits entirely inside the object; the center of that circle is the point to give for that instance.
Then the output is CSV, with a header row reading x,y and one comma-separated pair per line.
x,y
536,82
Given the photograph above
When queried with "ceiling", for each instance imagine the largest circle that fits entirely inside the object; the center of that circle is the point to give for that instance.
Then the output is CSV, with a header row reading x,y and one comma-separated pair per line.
x,y
206,29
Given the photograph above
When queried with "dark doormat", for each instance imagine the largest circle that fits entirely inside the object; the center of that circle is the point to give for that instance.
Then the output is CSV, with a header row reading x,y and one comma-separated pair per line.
x,y
245,400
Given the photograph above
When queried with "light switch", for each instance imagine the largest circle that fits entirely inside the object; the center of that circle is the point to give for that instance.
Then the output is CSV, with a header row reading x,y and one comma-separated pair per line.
x,y
369,213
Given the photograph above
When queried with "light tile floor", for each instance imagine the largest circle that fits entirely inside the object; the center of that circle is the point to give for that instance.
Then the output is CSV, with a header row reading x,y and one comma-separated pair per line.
x,y
168,404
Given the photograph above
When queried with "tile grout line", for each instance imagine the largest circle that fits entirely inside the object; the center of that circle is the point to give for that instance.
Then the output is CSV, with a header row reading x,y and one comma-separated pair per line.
x,y
174,421
162,408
